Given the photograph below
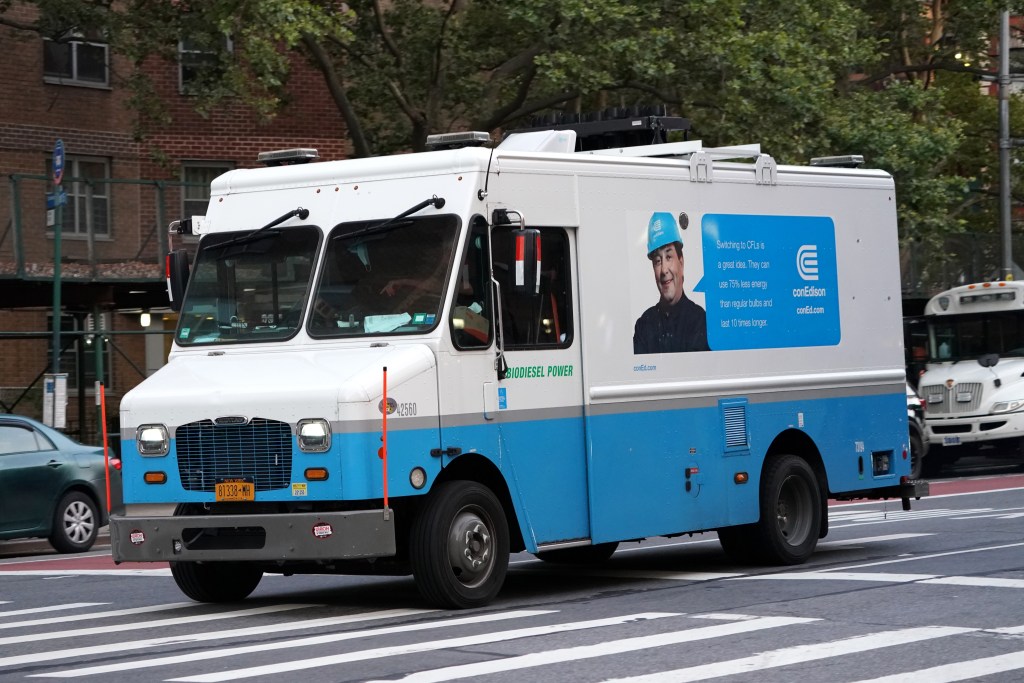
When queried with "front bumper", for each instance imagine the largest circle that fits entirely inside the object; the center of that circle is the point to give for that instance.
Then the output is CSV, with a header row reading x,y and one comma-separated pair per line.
x,y
282,537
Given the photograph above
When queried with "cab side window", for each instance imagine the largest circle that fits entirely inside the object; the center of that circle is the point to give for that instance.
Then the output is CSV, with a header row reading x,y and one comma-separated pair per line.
x,y
536,321
471,316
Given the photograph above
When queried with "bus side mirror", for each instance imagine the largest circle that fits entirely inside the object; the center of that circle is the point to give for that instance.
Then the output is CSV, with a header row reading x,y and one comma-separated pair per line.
x,y
177,277
526,277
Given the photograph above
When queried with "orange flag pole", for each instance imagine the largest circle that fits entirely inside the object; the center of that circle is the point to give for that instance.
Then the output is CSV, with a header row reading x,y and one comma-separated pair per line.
x,y
106,450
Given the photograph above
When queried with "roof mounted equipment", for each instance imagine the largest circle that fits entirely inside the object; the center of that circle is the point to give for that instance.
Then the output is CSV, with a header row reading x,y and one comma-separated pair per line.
x,y
473,138
288,157
614,127
844,161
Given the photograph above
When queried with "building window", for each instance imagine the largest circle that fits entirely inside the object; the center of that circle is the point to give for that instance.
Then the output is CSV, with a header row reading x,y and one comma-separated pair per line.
x,y
78,355
86,182
75,62
199,63
197,176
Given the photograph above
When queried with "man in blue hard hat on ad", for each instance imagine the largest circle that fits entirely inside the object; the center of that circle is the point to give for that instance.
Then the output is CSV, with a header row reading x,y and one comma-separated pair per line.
x,y
675,323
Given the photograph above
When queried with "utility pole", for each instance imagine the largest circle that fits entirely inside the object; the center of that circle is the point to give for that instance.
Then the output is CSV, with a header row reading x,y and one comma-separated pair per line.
x,y
1005,143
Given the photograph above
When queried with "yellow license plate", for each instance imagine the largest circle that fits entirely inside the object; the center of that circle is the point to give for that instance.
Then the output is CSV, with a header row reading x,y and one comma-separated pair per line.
x,y
235,489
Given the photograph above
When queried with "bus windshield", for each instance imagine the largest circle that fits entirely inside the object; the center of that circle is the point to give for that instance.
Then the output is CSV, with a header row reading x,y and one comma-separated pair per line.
x,y
246,290
968,336
384,281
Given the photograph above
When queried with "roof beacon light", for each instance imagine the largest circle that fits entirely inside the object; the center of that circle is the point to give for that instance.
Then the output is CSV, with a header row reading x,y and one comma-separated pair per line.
x,y
287,157
844,161
472,138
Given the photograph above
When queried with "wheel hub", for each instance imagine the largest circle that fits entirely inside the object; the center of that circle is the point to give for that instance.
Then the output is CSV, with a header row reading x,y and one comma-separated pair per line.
x,y
470,548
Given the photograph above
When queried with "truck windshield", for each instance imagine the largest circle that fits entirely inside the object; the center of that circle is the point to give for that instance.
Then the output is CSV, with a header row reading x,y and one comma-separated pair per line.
x,y
387,281
966,337
248,290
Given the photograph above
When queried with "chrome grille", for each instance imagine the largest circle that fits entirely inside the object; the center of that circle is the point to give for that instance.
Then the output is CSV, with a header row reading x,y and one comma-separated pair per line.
x,y
260,450
959,399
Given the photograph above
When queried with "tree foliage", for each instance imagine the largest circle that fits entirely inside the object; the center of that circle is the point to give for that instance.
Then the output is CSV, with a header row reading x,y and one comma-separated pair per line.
x,y
905,83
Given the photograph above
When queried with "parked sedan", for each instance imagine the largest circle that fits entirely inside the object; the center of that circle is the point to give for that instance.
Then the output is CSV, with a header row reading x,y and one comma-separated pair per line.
x,y
51,486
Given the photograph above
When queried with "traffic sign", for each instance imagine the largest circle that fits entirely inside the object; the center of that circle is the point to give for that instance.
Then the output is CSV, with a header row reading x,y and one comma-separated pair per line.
x,y
58,162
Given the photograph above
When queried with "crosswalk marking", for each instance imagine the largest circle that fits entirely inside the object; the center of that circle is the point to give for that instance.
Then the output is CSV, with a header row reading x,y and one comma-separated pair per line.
x,y
97,615
50,608
886,577
124,646
983,581
798,654
958,671
869,539
121,628
380,652
300,642
612,647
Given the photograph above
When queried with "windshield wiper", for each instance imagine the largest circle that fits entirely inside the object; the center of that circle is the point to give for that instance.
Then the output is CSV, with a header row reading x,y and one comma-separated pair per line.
x,y
435,201
302,213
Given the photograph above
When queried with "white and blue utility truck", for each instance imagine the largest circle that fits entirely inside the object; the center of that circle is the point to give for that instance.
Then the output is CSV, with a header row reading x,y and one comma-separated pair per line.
x,y
421,363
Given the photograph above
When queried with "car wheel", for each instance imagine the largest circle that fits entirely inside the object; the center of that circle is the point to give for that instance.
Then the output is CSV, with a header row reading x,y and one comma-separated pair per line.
x,y
76,523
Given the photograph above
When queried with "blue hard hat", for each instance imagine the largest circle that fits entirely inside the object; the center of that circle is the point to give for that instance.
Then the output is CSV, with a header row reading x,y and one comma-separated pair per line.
x,y
661,231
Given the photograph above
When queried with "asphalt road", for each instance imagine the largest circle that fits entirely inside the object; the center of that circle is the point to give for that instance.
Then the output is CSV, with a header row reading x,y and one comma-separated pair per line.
x,y
929,595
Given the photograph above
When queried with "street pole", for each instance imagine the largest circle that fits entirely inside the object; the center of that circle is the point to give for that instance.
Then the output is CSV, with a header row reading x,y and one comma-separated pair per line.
x,y
1005,143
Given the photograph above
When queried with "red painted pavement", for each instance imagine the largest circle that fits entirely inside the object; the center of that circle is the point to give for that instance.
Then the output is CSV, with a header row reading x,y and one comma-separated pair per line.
x,y
60,563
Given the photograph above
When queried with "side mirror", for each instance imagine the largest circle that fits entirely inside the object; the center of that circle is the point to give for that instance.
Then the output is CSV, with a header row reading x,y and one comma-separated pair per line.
x,y
177,277
988,360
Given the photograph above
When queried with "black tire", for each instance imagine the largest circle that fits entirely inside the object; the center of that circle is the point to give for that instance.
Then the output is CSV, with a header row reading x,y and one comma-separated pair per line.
x,y
76,523
458,546
790,523
216,581
584,554
916,456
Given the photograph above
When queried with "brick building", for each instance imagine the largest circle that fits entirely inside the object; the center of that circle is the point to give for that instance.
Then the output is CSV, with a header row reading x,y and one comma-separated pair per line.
x,y
122,190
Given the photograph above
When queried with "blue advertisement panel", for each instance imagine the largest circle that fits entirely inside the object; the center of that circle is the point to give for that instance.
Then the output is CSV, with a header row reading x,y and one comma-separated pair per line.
x,y
770,281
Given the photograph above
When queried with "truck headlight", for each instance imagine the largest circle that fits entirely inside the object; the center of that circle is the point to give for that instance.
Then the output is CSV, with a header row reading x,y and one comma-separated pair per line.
x,y
1008,406
152,440
314,435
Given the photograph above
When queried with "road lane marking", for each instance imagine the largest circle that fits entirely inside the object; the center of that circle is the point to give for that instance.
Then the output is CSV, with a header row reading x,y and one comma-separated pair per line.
x,y
51,608
915,558
121,628
613,647
288,644
799,654
958,671
981,581
886,577
97,615
870,539
123,646
428,646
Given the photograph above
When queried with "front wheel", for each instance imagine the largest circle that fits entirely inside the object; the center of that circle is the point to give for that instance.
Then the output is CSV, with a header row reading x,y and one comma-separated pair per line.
x,y
214,581
458,546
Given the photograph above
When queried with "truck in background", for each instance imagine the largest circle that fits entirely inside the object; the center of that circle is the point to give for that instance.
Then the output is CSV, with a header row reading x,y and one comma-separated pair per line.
x,y
421,363
972,384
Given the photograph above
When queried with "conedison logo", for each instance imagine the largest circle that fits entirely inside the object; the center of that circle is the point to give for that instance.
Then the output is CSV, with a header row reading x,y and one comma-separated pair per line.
x,y
807,261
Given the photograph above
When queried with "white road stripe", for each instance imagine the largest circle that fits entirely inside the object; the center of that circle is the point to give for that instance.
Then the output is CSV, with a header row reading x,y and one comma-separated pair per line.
x,y
158,623
983,581
97,615
288,644
123,646
613,647
916,558
799,654
960,671
880,577
870,539
51,608
466,641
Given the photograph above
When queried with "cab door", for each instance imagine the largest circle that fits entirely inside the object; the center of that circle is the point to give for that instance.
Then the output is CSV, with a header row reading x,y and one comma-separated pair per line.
x,y
529,422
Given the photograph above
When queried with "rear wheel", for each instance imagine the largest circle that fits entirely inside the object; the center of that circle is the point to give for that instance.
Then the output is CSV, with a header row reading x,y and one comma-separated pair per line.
x,y
584,554
214,581
76,523
790,523
916,456
458,546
